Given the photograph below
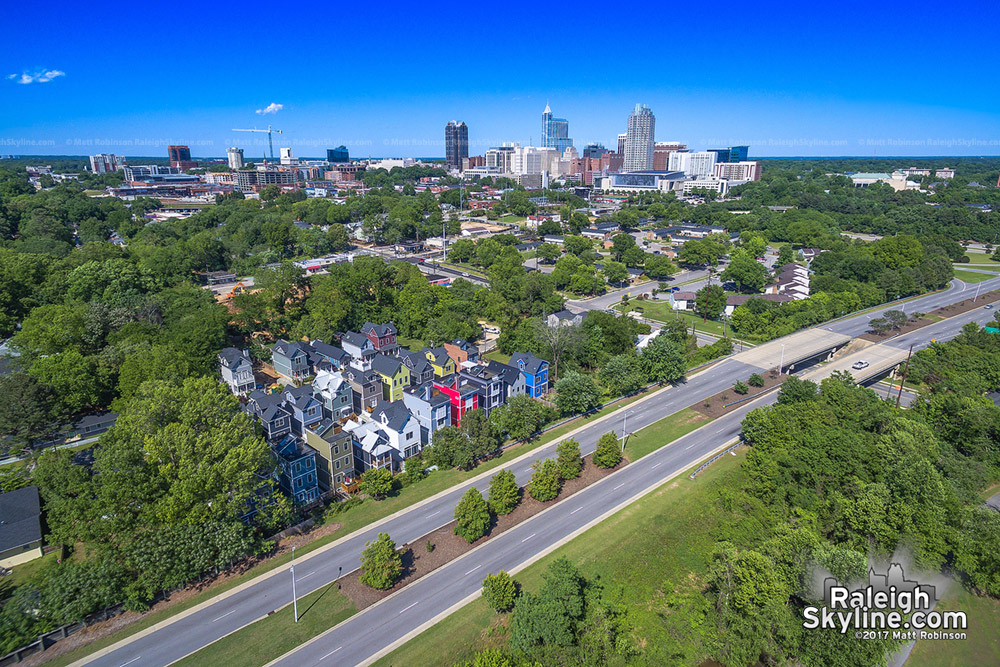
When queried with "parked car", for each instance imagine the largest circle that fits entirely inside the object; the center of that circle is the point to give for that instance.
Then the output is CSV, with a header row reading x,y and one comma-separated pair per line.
x,y
858,365
465,274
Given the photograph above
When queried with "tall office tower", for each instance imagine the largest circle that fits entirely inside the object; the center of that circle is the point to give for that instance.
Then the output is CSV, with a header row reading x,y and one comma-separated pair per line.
x,y
180,157
338,155
594,151
621,143
731,154
235,156
639,139
106,163
555,131
456,144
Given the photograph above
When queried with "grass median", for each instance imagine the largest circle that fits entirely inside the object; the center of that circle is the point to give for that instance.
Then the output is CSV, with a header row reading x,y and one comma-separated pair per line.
x,y
625,551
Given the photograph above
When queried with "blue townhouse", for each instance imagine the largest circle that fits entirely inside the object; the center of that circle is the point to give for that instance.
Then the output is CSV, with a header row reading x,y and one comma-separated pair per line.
x,y
534,370
297,474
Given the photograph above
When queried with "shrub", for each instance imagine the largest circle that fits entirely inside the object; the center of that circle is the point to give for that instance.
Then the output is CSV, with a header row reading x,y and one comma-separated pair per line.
x,y
376,482
608,453
472,515
568,459
741,388
756,380
545,481
504,493
499,591
381,565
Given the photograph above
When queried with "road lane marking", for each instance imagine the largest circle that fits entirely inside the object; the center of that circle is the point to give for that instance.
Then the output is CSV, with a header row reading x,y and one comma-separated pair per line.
x,y
221,617
331,653
430,515
130,661
619,486
410,607
528,469
473,569
720,430
306,575
688,447
655,464
528,538
576,510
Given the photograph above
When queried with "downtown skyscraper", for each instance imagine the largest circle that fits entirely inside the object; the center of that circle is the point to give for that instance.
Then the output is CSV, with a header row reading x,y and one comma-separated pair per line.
x,y
639,138
456,144
555,131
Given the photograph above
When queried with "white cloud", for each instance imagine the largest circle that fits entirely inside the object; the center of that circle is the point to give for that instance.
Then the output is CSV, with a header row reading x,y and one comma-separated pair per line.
x,y
271,108
36,76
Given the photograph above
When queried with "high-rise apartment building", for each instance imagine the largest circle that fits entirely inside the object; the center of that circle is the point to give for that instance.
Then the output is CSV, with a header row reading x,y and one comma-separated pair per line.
x,y
746,170
621,143
235,157
456,144
555,131
180,157
106,163
338,155
662,151
701,163
639,139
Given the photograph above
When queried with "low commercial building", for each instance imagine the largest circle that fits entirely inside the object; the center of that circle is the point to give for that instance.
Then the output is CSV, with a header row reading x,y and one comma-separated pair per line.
x,y
643,181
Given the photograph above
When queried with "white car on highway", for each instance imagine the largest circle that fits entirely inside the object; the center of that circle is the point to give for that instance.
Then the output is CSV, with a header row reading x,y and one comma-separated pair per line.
x,y
858,365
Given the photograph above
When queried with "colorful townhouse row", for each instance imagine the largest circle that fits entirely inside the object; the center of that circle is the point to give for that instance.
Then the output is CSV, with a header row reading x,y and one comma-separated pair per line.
x,y
369,403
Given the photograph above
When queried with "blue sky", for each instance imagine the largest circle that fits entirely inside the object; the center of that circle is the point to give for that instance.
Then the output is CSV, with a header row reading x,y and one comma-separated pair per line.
x,y
854,78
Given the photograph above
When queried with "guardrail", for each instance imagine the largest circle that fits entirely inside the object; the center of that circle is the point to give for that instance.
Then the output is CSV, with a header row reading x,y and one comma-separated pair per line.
x,y
714,459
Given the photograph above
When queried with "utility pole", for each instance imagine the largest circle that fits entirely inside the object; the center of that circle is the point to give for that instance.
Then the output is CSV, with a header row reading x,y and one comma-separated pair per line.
x,y
903,380
295,598
781,363
978,285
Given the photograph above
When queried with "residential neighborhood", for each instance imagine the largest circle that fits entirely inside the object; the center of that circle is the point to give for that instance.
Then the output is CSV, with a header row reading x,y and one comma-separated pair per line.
x,y
369,403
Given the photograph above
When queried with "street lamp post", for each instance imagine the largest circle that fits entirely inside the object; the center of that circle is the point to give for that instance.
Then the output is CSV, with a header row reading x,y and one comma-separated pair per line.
x,y
624,431
295,598
781,363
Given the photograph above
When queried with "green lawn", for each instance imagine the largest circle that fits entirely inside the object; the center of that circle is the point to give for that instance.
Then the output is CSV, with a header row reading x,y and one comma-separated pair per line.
x,y
972,277
497,355
411,344
275,635
983,644
981,258
663,432
628,552
660,311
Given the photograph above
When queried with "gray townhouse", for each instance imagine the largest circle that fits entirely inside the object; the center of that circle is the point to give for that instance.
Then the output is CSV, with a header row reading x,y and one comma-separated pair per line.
x,y
236,370
430,407
292,361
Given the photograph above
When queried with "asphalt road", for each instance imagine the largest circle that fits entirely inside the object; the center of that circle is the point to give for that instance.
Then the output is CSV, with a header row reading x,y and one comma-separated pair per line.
x,y
223,616
360,638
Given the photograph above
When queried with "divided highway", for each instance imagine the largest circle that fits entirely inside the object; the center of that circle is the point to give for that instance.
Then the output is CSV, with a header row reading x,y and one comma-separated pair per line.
x,y
186,633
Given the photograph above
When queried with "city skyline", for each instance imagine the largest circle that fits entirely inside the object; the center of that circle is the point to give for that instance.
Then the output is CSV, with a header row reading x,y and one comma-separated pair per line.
x,y
915,89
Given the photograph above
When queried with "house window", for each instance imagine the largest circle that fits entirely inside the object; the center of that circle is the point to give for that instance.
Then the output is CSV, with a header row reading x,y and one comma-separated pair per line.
x,y
336,464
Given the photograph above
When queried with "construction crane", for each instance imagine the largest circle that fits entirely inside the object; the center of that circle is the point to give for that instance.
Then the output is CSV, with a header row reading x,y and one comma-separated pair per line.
x,y
269,132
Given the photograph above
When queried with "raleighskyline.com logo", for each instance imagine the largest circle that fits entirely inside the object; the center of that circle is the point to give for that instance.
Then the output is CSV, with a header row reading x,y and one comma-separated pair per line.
x,y
890,605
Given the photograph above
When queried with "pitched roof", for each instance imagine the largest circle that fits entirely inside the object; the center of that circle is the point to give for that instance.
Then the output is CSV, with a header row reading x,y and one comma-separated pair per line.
x,y
415,361
532,364
386,365
290,350
391,415
438,355
19,518
566,314
329,351
381,330
230,357
355,339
